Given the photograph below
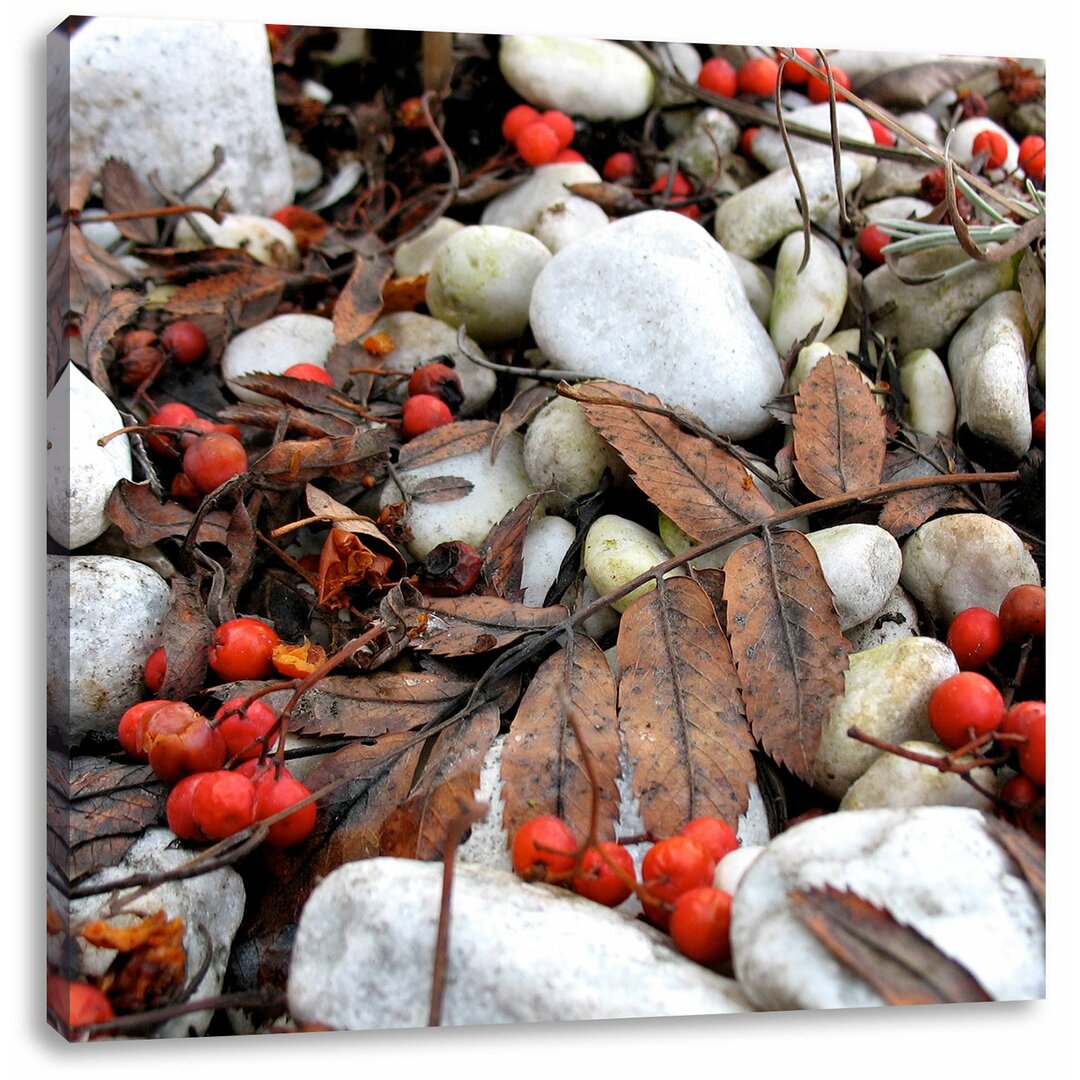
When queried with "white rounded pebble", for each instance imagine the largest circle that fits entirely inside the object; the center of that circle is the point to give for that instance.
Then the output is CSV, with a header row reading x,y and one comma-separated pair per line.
x,y
547,540
930,404
731,868
482,278
521,206
706,142
758,286
415,256
964,560
861,564
616,551
768,144
681,59
596,79
898,619
80,474
273,346
104,620
811,297
962,145
267,241
565,222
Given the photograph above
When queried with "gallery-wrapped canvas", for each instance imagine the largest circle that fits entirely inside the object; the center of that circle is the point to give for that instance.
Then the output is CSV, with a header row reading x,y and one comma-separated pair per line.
x,y
540,528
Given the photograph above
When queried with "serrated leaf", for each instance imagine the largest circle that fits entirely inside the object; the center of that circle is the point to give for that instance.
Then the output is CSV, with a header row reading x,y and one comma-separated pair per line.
x,y
542,764
360,301
464,625
504,550
448,441
186,633
122,190
104,315
143,519
680,710
786,643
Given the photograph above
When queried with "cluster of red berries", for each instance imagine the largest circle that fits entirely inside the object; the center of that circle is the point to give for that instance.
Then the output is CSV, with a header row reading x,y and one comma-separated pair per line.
x,y
541,138
143,354
676,888
758,76
969,706
434,395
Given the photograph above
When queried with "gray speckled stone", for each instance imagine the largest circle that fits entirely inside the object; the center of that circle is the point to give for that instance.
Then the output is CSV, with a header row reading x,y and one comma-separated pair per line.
x,y
517,953
653,301
937,869
161,94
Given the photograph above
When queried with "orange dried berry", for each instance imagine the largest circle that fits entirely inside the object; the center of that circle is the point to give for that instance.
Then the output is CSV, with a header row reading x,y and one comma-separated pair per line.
x,y
993,145
379,344
297,661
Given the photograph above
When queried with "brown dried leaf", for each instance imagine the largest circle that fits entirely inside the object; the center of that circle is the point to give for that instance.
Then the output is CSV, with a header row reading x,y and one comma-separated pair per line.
x,y
503,551
907,510
348,457
464,625
241,541
122,190
613,199
702,487
520,411
839,430
155,929
915,85
440,489
135,510
448,441
346,561
301,422
250,295
687,738
1032,283
903,966
542,766
786,643
104,315
360,301
1025,851
418,829
186,633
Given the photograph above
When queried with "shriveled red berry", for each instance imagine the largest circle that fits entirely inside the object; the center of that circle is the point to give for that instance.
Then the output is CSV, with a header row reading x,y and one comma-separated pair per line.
x,y
184,491
758,76
439,380
991,143
298,661
872,240
140,365
718,76
132,724
597,880
179,812
517,119
1023,612
411,114
671,867
244,730
154,670
964,707
701,925
543,849
213,458
537,144
714,834
817,86
276,793
137,339
184,341
223,803
1028,720
178,740
76,1004
449,569
1031,156
1021,791
421,413
306,226
310,372
619,166
975,638
882,135
561,124
242,648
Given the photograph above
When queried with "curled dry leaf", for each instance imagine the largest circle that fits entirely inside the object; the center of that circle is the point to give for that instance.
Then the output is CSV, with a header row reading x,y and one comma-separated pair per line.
x,y
186,633
350,457
520,411
463,625
347,562
249,296
302,423
680,710
839,430
105,314
542,764
136,511
448,441
505,546
786,643
360,301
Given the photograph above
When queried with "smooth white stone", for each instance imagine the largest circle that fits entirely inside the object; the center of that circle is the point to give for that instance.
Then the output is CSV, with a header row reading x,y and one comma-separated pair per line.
x,y
930,404
520,207
861,564
702,147
731,868
898,619
616,551
415,256
80,474
565,222
273,346
758,286
267,241
547,540
681,59
812,297
886,690
768,144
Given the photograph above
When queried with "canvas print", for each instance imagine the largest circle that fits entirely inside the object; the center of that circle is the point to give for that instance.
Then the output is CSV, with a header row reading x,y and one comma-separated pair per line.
x,y
539,528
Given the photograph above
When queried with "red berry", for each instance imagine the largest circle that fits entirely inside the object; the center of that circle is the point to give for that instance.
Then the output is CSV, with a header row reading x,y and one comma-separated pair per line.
x,y
439,380
620,166
411,114
132,724
1020,791
179,812
243,731
223,803
140,365
276,793
1038,428
796,74
1023,612
242,648
154,670
817,87
882,135
758,76
517,119
701,924
76,1004
746,140
671,867
421,413
964,707
170,414
543,849
184,491
1028,718
449,569
561,124
718,76
178,741
537,144
596,880
184,341
1032,156
680,186
213,458
991,143
975,638
310,372
872,240
714,834
567,157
